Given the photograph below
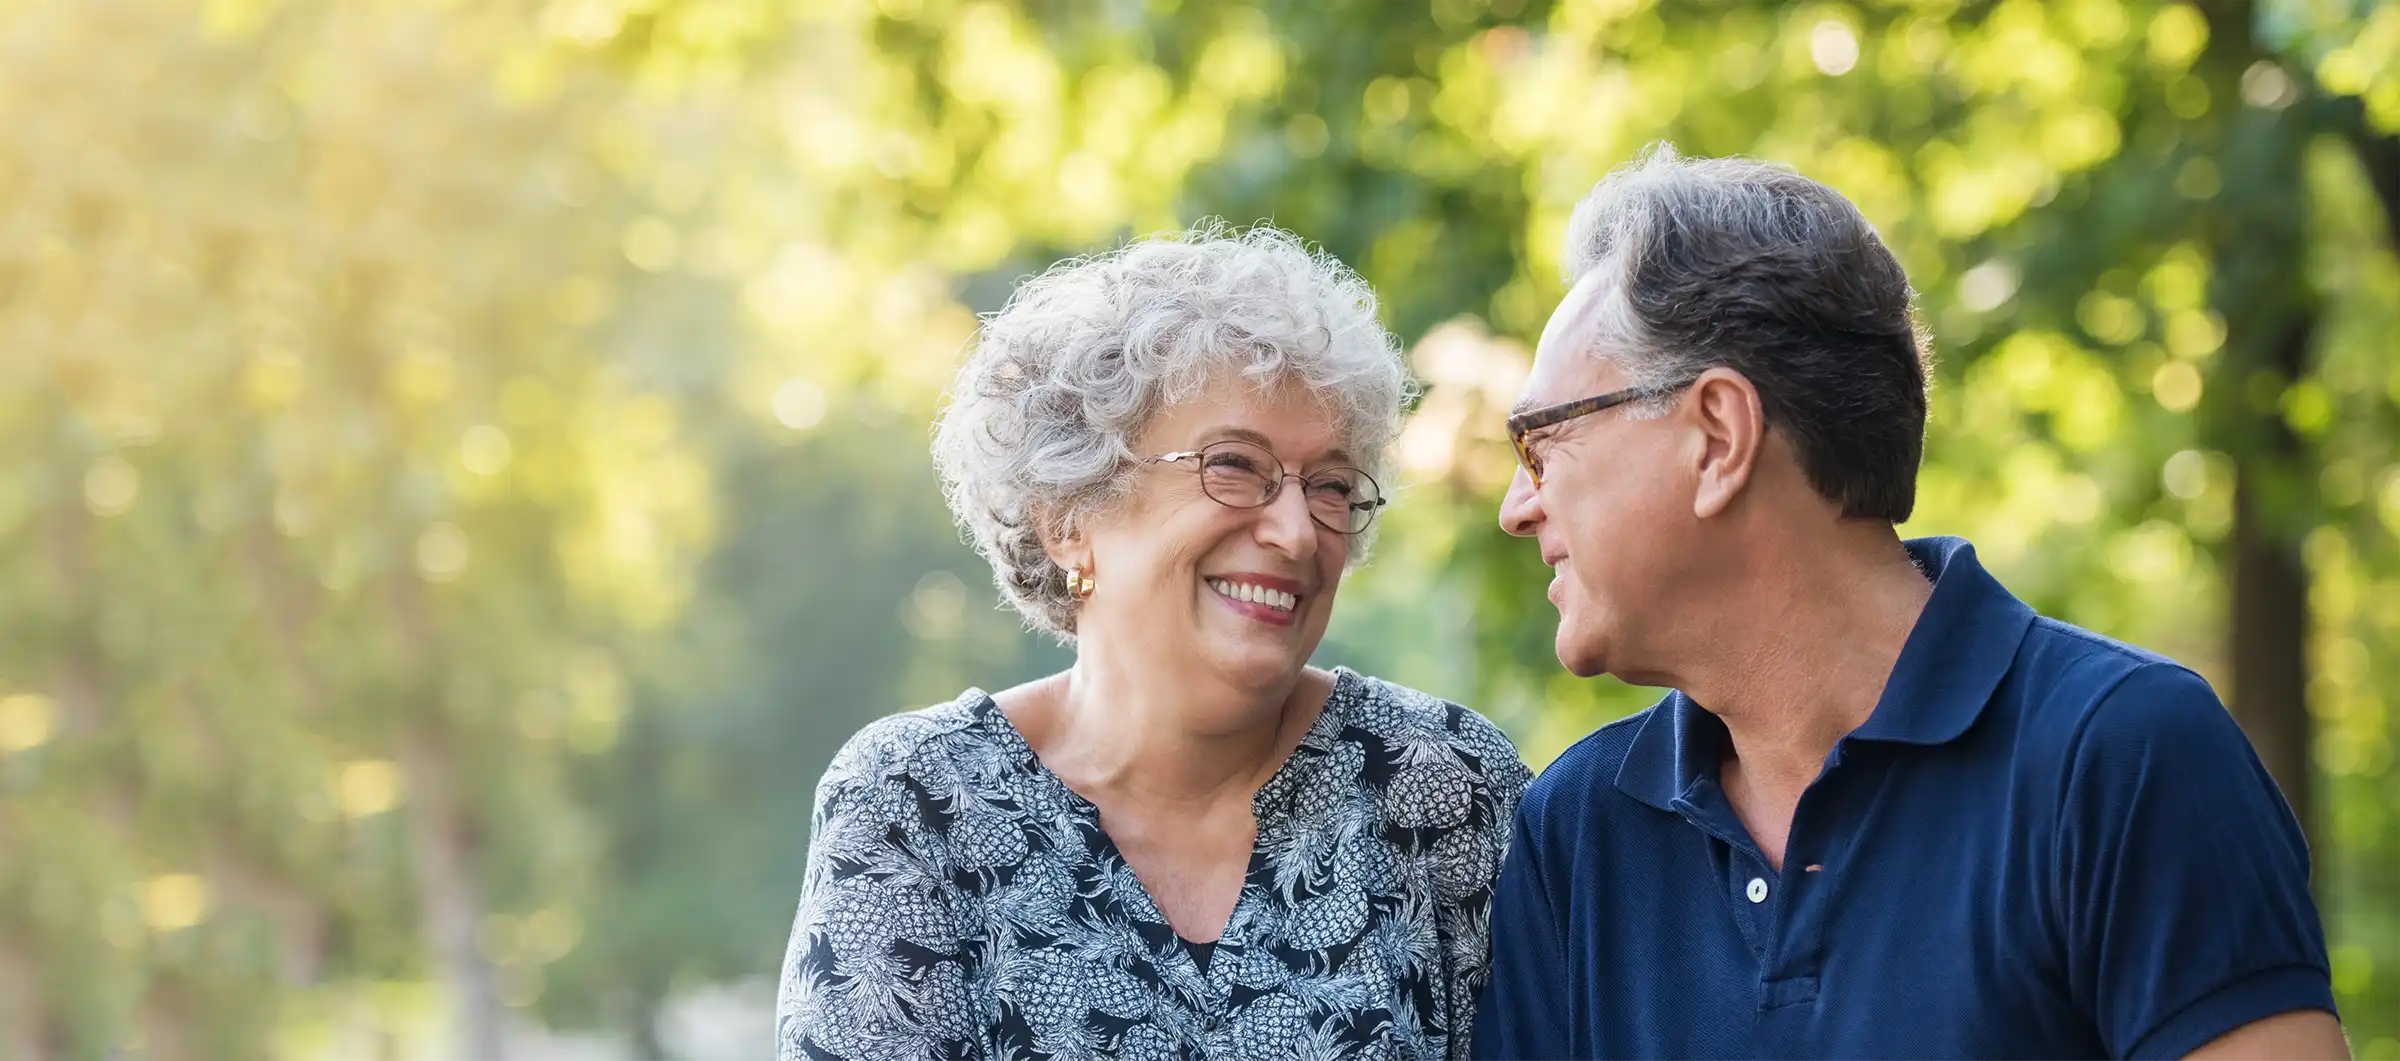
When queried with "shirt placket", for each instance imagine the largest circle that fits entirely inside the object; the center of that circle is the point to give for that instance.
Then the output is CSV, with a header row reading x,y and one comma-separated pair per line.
x,y
1804,892
1777,912
1742,870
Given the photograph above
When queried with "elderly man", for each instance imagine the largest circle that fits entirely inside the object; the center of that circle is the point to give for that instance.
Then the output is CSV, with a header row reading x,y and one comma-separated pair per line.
x,y
1887,810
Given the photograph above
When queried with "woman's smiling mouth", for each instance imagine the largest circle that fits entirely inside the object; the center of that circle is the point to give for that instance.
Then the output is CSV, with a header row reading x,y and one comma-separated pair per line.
x,y
1261,597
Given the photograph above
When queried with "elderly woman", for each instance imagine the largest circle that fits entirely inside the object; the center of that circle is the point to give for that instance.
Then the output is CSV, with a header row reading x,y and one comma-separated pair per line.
x,y
1191,843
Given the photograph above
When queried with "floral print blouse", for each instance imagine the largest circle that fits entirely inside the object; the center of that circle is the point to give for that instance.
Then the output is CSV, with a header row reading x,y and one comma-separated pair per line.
x,y
962,902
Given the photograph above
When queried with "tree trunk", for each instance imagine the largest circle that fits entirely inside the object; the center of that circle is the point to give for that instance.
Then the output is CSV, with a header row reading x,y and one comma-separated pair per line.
x,y
443,842
22,1015
2257,231
649,1039
453,903
2270,650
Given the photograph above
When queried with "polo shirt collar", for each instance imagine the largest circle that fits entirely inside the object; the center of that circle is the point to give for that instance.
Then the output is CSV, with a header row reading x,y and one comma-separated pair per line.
x,y
1954,659
1669,755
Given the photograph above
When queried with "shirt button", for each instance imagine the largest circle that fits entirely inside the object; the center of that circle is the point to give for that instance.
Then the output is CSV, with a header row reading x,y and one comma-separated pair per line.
x,y
1758,890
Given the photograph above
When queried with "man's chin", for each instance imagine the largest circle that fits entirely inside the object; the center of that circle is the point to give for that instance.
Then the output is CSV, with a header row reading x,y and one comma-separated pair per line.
x,y
1581,658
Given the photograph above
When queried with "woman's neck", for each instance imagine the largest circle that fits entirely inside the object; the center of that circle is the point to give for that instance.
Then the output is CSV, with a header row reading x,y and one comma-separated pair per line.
x,y
1115,729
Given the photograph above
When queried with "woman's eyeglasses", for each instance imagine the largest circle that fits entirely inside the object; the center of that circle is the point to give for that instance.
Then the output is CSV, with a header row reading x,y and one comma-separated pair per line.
x,y
1239,474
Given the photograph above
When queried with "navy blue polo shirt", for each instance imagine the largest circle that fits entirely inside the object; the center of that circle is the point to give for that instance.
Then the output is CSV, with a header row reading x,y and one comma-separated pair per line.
x,y
2043,843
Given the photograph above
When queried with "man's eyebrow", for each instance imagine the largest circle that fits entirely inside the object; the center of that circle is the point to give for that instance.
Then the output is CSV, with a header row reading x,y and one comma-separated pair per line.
x,y
1528,404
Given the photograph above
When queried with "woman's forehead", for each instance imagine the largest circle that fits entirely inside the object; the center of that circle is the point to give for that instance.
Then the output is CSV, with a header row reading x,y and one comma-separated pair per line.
x,y
1283,417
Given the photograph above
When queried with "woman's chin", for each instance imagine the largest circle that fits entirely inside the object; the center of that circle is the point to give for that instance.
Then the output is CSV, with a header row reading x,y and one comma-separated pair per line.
x,y
1255,662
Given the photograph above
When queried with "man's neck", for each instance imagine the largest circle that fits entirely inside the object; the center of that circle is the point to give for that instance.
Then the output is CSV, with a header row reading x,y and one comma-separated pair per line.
x,y
1799,658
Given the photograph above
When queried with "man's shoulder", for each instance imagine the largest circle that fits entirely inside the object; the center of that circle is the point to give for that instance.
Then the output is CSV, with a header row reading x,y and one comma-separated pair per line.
x,y
1587,771
2065,677
2081,704
2055,648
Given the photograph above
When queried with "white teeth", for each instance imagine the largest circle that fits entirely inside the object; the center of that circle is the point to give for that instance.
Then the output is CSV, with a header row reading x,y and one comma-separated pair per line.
x,y
1243,591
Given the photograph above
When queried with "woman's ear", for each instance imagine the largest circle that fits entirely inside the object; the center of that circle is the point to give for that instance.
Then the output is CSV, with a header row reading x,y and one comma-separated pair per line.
x,y
1733,425
1066,546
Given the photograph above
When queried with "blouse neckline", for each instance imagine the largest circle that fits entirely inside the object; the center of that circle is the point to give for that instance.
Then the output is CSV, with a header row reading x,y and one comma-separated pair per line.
x,y
1269,802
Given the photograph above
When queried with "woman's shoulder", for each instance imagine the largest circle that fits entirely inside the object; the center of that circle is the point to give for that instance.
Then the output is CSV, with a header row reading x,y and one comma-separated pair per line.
x,y
1401,717
1445,781
1441,764
911,743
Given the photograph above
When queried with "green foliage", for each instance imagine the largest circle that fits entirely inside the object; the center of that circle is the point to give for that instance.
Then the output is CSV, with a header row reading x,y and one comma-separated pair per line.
x,y
469,459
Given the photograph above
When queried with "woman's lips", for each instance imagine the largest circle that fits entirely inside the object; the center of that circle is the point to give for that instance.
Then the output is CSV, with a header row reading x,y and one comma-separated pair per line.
x,y
1265,598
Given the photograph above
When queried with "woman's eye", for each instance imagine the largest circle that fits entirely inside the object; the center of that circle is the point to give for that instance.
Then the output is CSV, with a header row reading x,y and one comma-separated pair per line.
x,y
1232,461
1333,487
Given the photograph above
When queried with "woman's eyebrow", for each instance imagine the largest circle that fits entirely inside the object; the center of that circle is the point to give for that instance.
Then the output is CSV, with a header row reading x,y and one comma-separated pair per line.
x,y
1336,455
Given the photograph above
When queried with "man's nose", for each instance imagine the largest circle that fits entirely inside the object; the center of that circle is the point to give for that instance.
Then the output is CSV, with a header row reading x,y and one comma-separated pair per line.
x,y
1521,508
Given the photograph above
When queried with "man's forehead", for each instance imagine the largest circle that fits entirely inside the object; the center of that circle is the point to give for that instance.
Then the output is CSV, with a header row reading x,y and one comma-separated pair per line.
x,y
1565,360
1569,329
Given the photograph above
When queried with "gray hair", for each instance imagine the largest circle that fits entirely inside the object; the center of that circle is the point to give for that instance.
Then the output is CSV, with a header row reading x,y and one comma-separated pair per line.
x,y
1740,264
1038,435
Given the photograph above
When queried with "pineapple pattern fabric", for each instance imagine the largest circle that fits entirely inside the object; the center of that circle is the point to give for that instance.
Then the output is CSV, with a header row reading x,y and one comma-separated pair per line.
x,y
961,902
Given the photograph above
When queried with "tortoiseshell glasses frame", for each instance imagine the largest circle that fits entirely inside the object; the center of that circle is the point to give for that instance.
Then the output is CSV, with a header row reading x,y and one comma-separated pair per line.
x,y
1525,424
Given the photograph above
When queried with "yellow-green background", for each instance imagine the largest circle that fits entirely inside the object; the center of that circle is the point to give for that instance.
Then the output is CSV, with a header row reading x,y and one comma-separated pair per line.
x,y
462,462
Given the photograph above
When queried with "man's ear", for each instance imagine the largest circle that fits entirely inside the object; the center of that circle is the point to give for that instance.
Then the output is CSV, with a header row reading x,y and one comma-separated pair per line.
x,y
1733,430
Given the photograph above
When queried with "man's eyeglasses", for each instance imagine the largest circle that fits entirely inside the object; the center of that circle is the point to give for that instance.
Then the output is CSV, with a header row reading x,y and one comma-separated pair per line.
x,y
1523,425
1239,474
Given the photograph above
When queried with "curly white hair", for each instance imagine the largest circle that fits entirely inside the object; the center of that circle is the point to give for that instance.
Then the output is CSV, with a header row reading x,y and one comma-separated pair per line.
x,y
1060,383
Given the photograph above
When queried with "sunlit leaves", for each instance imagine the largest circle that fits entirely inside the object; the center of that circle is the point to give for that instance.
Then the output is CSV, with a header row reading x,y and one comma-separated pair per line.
x,y
2176,34
361,381
329,400
2361,61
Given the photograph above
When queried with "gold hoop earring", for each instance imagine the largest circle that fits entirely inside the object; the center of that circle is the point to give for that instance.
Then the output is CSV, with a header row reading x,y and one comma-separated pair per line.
x,y
1079,585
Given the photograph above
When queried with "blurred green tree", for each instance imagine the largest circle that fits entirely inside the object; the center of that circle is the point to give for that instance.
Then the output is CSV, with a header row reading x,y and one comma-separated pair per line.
x,y
330,516
470,459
